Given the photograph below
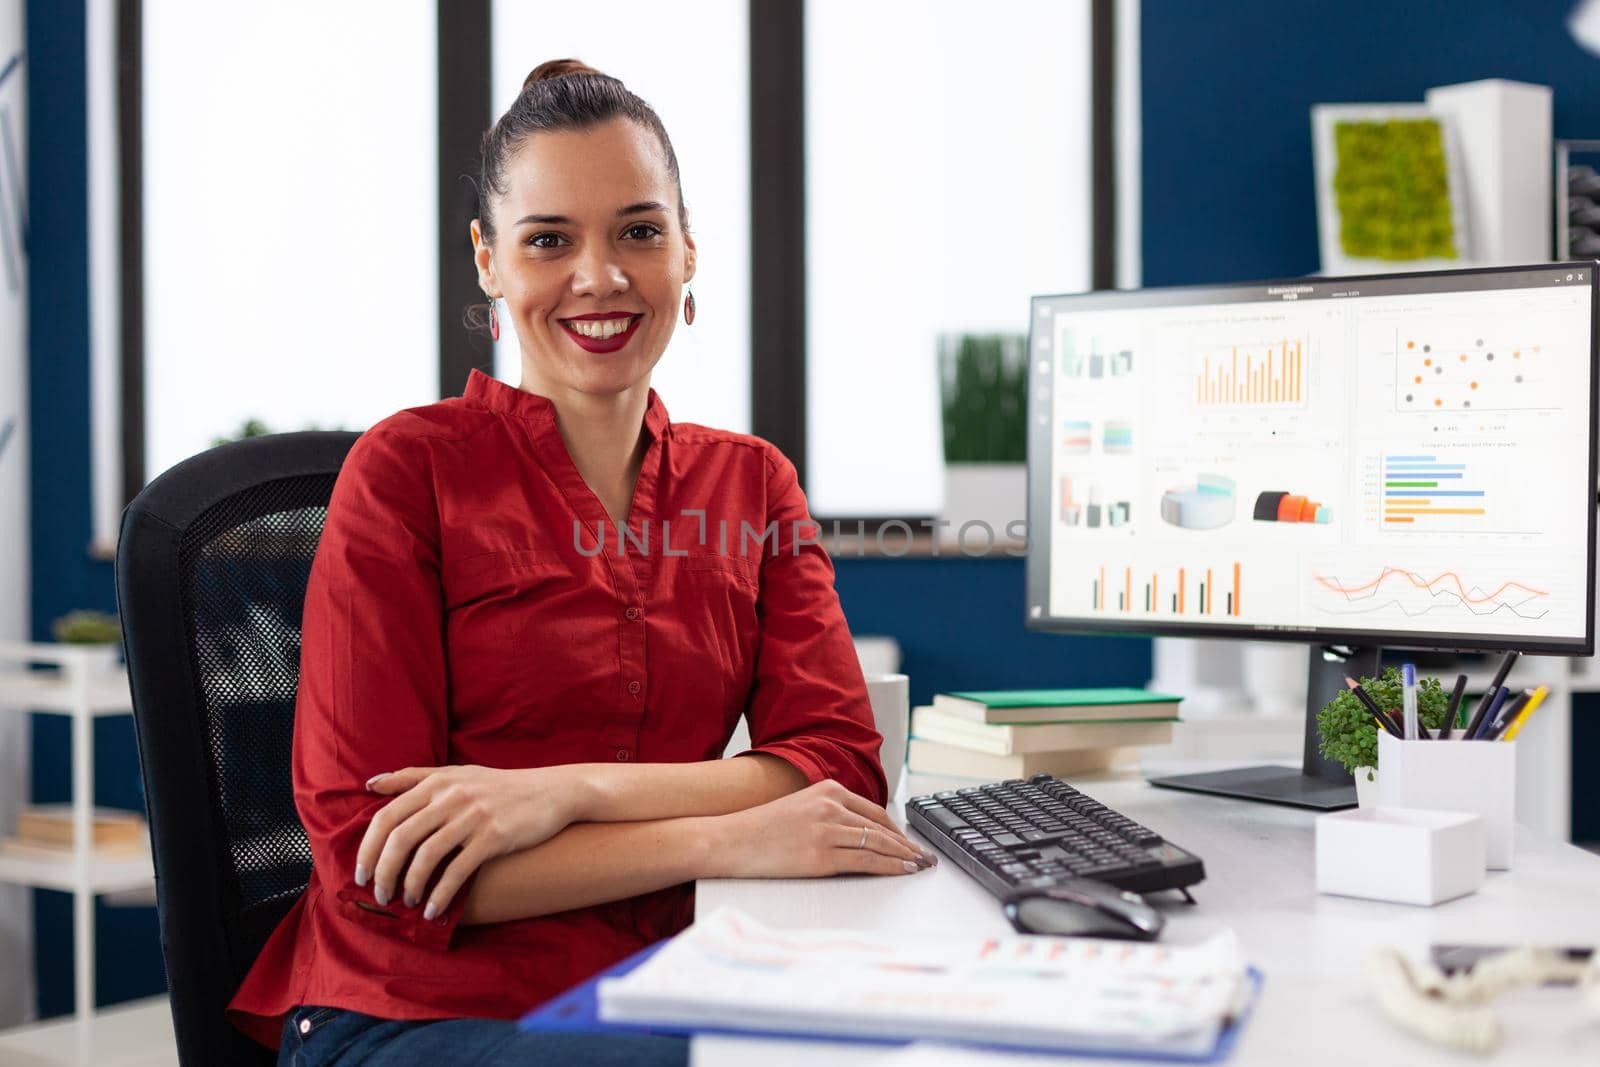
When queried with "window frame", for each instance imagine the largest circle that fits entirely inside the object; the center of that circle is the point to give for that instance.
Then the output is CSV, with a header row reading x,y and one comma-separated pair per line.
x,y
777,212
778,350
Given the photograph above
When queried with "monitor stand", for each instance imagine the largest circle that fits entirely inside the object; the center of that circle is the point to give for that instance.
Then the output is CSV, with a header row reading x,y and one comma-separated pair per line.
x,y
1320,784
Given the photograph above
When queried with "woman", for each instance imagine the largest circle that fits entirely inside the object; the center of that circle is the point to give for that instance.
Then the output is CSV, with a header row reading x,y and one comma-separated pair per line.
x,y
534,619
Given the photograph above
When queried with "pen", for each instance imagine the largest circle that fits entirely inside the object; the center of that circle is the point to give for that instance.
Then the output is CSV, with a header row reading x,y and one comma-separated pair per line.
x,y
1408,677
1527,712
1488,695
1482,732
1506,715
1454,709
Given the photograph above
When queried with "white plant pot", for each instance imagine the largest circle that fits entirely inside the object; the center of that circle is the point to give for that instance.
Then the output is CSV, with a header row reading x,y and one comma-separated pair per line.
x,y
1366,787
994,494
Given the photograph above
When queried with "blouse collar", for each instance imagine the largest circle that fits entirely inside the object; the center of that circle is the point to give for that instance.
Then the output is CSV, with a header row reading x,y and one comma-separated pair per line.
x,y
492,393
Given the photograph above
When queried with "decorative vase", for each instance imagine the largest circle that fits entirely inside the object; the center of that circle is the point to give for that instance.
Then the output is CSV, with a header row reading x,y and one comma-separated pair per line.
x,y
1366,787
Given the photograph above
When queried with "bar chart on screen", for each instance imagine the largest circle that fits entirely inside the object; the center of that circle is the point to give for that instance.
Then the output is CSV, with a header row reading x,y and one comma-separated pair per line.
x,y
1488,490
1261,374
1207,591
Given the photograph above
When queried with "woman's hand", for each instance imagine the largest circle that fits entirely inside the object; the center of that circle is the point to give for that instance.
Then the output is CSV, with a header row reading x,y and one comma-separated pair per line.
x,y
821,830
463,815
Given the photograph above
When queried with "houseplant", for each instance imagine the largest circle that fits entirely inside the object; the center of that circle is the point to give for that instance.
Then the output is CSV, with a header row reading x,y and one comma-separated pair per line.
x,y
983,392
1348,732
96,631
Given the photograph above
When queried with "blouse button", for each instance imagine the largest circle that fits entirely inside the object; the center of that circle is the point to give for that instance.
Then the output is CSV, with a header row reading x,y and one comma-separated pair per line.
x,y
633,613
634,687
622,755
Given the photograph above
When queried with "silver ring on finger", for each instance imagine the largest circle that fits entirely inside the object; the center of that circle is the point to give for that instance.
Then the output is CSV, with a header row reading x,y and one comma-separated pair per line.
x,y
865,830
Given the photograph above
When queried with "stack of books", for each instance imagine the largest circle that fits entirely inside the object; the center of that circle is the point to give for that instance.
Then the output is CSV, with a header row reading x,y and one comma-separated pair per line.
x,y
1015,733
48,827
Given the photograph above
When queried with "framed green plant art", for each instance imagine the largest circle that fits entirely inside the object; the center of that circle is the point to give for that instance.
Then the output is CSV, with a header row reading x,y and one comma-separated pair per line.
x,y
1388,188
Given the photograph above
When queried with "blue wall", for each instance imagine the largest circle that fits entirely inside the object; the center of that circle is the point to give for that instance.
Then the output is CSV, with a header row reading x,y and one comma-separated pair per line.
x,y
64,576
1228,191
1227,91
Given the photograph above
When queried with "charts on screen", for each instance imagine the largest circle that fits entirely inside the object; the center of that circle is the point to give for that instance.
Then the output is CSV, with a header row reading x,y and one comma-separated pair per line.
x,y
1469,597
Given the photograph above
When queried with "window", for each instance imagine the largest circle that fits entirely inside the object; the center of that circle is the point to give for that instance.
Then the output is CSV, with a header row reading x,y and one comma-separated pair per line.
x,y
289,229
691,65
948,177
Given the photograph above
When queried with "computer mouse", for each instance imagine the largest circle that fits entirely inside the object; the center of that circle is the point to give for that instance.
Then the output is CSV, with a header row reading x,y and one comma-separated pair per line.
x,y
1084,908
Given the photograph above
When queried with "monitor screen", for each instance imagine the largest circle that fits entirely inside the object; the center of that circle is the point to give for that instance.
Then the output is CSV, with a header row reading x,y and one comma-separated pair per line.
x,y
1404,460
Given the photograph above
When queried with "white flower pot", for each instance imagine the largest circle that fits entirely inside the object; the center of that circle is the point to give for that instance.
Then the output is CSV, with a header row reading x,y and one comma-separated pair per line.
x,y
1366,787
994,494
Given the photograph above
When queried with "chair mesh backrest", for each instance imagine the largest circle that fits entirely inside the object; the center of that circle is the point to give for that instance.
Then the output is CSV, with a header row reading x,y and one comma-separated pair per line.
x,y
243,567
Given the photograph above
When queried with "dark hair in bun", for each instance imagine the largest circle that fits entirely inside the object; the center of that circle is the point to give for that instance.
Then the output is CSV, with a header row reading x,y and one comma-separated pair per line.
x,y
563,94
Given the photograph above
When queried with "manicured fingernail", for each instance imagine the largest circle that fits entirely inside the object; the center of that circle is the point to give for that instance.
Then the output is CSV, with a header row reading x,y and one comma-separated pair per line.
x,y
911,868
381,895
430,912
375,777
411,902
361,875
931,857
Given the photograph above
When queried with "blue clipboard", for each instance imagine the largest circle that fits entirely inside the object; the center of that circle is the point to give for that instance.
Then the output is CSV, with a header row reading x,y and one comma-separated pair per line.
x,y
578,1011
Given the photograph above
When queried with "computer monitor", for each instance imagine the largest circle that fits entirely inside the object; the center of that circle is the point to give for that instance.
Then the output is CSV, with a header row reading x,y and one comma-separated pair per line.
x,y
1391,461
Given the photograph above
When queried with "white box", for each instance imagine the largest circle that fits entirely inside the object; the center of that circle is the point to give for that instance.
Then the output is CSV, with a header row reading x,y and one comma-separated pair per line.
x,y
1503,133
1407,855
1479,777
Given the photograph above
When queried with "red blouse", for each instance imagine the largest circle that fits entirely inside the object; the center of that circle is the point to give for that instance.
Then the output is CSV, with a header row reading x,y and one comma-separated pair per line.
x,y
463,608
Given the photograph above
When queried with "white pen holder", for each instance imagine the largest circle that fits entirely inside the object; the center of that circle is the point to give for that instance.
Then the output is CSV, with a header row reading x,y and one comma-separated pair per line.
x,y
1453,775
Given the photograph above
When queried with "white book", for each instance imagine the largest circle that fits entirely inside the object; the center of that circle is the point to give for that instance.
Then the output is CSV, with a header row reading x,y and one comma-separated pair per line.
x,y
730,972
1000,739
932,757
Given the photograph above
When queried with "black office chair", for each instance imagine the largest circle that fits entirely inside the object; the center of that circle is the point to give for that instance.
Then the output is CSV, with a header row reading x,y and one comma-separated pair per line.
x,y
211,577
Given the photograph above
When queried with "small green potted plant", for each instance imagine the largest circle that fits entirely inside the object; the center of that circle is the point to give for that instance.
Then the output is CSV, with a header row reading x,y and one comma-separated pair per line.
x,y
1349,734
97,632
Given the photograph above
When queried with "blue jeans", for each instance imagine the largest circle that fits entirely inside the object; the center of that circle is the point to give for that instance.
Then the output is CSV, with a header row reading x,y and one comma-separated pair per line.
x,y
322,1037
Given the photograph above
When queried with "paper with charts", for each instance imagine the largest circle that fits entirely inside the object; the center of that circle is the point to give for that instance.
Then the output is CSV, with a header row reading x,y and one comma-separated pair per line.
x,y
730,972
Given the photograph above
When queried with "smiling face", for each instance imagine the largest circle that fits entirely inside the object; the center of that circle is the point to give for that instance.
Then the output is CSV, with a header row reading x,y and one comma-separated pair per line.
x,y
590,256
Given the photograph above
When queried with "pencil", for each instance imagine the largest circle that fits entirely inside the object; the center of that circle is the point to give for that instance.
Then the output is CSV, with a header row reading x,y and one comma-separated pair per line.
x,y
1527,712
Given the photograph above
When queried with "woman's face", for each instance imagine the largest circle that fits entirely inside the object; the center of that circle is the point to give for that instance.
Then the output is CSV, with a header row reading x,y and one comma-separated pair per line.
x,y
589,256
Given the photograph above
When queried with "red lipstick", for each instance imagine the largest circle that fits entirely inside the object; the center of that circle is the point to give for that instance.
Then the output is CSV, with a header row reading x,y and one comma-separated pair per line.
x,y
599,345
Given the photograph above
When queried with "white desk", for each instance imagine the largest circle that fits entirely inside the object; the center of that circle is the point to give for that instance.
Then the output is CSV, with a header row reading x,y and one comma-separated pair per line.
x,y
1315,1007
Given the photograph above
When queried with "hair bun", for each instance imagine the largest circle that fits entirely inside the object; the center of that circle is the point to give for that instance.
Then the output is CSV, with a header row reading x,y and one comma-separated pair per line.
x,y
557,68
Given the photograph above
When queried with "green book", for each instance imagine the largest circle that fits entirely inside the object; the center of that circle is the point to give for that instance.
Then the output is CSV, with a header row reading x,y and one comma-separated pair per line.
x,y
1057,705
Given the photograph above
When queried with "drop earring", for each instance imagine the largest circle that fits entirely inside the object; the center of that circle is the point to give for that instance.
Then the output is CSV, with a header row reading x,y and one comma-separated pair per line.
x,y
688,307
494,321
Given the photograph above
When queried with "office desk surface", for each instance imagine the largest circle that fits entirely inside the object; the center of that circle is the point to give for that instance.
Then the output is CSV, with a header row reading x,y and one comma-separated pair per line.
x,y
1316,1006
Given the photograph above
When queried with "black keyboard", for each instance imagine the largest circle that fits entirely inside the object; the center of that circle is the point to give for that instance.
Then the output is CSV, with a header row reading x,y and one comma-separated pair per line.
x,y
1020,835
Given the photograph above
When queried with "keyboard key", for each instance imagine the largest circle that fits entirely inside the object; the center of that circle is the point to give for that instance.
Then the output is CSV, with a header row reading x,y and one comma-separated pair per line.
x,y
944,817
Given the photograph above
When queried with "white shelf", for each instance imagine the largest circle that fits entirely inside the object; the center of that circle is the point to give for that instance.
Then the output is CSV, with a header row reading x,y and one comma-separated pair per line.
x,y
109,872
45,691
82,682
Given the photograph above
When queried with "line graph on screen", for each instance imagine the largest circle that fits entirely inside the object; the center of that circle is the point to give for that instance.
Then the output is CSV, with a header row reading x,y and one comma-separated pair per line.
x,y
1398,591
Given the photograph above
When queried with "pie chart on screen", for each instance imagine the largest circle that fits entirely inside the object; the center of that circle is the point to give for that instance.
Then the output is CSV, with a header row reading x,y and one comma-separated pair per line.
x,y
1205,505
